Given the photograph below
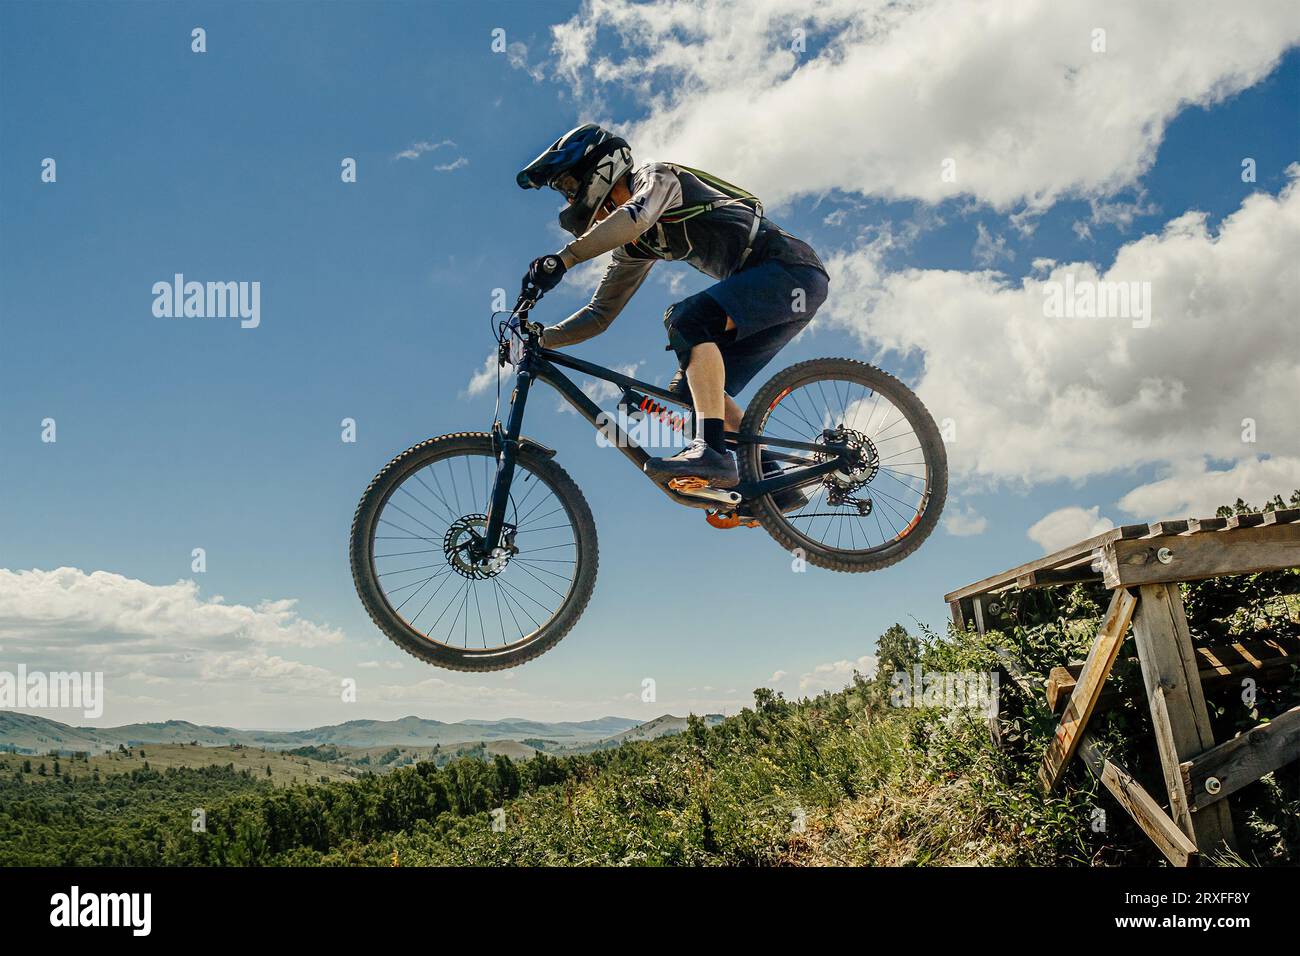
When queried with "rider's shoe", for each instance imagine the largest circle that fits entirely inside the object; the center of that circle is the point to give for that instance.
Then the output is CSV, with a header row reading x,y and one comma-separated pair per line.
x,y
697,460
790,499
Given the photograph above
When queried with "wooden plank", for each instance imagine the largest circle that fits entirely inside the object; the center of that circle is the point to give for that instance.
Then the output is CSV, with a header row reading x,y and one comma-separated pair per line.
x,y
1193,557
1249,520
1217,665
1281,516
958,619
1012,668
1178,715
1065,556
1141,806
1095,671
1168,527
1057,558
1061,682
1242,760
1197,525
1051,577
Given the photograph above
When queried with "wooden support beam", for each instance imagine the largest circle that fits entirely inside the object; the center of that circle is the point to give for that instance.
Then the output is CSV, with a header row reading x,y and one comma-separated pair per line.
x,y
1012,668
1050,577
1252,519
1076,557
1224,770
1083,701
1178,715
1191,557
1066,556
1141,806
958,619
1061,682
1281,516
1217,664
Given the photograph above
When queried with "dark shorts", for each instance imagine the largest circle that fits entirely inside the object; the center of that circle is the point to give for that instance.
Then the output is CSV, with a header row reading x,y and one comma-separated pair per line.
x,y
770,303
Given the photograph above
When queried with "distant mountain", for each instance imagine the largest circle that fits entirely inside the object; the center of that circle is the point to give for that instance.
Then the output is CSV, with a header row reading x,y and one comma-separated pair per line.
x,y
30,734
659,727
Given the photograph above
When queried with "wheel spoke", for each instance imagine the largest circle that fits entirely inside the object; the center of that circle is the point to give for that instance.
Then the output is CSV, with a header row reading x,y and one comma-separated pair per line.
x,y
888,473
433,583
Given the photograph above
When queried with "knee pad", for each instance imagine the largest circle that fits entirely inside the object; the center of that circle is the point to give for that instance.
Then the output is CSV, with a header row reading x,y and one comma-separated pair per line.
x,y
693,321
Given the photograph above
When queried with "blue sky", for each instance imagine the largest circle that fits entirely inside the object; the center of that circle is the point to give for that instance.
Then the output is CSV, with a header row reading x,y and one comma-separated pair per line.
x,y
175,434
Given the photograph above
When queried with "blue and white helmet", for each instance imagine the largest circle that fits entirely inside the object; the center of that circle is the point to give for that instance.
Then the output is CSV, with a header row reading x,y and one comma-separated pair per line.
x,y
583,164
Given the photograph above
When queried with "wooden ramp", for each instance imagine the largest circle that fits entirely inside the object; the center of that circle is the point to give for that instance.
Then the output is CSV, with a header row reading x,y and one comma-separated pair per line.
x,y
1143,565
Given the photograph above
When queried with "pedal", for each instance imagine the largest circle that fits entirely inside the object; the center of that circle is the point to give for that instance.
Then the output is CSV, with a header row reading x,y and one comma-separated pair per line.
x,y
730,520
700,488
687,484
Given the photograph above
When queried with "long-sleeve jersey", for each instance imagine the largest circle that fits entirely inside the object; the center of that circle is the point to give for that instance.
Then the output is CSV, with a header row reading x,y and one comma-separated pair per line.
x,y
714,242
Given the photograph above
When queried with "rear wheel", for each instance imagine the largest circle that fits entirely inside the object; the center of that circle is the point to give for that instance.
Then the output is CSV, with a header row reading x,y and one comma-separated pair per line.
x,y
413,566
860,518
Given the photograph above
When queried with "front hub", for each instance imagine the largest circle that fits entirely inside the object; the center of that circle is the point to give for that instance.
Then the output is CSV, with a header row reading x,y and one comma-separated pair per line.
x,y
467,551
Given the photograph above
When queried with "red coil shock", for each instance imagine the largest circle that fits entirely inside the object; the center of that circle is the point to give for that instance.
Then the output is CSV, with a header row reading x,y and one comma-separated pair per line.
x,y
666,415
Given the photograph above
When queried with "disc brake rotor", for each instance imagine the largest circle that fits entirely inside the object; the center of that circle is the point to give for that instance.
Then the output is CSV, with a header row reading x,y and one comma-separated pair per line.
x,y
463,541
864,464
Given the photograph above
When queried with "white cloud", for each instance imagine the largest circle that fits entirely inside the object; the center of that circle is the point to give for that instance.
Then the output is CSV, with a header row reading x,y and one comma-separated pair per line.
x,y
485,378
517,57
887,91
206,654
964,521
68,606
273,674
988,248
1120,214
1194,491
1036,398
832,676
416,150
599,390
1066,526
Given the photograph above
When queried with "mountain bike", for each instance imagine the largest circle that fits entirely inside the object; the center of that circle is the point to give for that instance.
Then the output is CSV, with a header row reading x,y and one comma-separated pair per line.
x,y
476,551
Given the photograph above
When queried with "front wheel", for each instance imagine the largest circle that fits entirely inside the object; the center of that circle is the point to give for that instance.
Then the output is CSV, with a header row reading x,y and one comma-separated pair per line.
x,y
412,558
864,516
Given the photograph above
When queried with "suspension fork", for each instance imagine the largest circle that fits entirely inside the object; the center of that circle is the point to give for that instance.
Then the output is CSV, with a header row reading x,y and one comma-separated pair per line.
x,y
507,445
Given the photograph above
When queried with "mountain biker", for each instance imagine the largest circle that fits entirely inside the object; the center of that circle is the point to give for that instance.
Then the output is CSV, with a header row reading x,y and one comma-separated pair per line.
x,y
770,283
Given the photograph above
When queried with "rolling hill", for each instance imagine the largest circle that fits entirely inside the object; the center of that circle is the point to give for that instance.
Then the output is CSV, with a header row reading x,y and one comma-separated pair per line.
x,y
26,733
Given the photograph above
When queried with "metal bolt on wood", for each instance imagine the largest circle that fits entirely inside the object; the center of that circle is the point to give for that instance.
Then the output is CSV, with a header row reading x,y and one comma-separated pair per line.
x,y
1165,556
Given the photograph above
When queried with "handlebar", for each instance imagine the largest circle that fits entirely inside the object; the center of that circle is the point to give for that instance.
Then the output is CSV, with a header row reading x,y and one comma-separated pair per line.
x,y
527,301
517,327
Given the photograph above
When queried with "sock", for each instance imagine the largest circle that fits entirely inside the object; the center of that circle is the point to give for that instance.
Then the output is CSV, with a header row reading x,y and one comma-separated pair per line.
x,y
711,432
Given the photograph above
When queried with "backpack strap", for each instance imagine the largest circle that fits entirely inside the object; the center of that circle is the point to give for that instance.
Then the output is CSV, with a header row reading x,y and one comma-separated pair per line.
x,y
734,195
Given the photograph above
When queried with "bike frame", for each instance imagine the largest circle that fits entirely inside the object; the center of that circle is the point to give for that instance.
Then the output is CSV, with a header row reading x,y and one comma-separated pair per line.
x,y
538,363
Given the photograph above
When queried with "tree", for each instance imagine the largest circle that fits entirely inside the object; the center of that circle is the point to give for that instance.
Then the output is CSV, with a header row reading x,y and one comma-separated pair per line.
x,y
896,651
507,777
